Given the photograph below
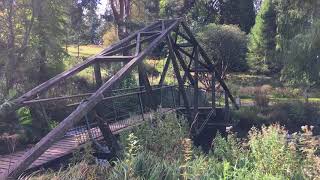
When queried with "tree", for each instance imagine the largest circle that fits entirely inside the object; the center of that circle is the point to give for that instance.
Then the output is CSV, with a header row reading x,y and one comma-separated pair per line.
x,y
33,34
204,12
239,12
302,58
262,40
226,46
247,15
298,40
293,18
121,10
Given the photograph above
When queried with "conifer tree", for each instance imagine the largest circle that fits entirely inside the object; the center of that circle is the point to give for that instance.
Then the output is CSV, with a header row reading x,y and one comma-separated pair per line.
x,y
262,42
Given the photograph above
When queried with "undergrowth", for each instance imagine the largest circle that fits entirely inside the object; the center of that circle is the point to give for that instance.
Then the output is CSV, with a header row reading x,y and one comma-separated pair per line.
x,y
161,150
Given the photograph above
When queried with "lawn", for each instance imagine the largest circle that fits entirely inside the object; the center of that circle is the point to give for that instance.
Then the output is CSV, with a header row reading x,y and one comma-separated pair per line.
x,y
84,50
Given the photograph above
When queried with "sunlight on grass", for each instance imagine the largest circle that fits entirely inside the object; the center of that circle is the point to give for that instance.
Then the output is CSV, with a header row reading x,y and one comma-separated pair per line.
x,y
84,50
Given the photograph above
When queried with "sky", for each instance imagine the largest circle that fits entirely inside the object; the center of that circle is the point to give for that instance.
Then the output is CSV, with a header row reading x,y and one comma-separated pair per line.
x,y
102,7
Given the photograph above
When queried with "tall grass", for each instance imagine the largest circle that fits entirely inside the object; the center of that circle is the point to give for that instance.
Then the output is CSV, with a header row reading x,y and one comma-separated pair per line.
x,y
161,150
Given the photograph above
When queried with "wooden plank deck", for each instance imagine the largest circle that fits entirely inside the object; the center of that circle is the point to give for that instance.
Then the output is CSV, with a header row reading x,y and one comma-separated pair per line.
x,y
68,144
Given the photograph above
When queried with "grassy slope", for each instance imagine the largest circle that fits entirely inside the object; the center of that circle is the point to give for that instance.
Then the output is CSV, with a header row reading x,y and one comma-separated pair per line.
x,y
84,50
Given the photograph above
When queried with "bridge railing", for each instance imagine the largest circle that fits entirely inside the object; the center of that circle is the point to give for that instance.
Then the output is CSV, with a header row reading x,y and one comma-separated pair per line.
x,y
123,108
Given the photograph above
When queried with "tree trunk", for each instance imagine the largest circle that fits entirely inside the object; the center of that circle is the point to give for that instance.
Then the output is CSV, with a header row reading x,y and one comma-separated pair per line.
x,y
12,59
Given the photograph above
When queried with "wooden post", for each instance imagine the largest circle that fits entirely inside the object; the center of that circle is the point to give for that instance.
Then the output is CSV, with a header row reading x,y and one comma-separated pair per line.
x,y
179,78
226,107
195,85
164,72
97,75
144,81
110,139
106,132
213,86
183,65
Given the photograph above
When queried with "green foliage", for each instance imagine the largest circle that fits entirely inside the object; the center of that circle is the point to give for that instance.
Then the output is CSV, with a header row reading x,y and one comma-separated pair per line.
x,y
170,8
303,58
25,118
226,44
262,40
129,82
265,154
238,12
271,154
25,121
170,129
298,40
293,17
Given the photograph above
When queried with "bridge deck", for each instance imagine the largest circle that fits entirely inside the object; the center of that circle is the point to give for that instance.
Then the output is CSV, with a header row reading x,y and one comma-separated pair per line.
x,y
68,144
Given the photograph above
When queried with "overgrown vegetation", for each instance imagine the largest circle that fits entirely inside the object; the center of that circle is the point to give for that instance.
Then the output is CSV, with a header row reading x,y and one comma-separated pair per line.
x,y
273,43
161,150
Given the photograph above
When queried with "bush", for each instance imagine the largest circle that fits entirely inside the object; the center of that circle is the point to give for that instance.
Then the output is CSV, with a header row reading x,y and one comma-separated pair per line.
x,y
226,44
286,93
265,154
260,98
271,154
163,136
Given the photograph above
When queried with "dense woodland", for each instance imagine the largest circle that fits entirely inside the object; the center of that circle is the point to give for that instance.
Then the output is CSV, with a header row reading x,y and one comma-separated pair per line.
x,y
266,50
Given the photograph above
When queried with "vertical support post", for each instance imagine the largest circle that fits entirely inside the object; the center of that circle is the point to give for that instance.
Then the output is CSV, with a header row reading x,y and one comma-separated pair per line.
x,y
144,81
164,72
179,78
213,87
173,96
97,75
107,134
104,127
141,106
226,107
195,85
138,45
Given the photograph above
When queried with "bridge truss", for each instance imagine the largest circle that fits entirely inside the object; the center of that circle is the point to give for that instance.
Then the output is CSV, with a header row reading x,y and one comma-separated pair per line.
x,y
184,53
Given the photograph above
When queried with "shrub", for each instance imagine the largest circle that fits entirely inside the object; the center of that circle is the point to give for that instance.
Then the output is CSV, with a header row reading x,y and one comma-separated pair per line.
x,y
265,154
271,154
163,136
286,93
226,44
260,98
110,36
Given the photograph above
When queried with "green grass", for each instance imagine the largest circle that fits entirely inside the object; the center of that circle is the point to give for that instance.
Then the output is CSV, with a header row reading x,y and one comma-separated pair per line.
x,y
84,50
